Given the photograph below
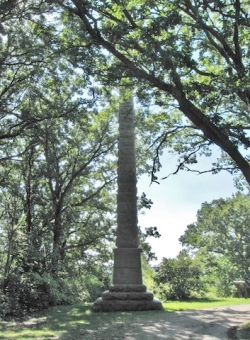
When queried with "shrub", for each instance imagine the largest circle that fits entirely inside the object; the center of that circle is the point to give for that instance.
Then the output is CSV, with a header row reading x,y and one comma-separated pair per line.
x,y
178,278
29,292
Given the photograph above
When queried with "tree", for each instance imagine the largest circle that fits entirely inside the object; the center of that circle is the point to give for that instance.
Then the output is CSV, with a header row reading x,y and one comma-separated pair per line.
x,y
28,49
191,57
221,235
57,197
57,208
58,163
178,278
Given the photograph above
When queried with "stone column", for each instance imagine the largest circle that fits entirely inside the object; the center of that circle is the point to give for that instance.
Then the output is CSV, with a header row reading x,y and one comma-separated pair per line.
x,y
127,292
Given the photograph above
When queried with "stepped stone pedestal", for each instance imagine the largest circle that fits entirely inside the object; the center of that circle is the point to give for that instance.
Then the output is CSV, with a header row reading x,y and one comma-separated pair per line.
x,y
127,293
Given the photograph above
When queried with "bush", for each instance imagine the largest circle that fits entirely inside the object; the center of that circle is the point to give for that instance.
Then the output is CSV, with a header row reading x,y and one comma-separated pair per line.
x,y
178,278
92,287
163,291
29,292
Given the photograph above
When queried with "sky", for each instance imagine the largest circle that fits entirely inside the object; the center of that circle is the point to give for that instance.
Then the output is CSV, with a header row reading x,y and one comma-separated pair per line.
x,y
177,199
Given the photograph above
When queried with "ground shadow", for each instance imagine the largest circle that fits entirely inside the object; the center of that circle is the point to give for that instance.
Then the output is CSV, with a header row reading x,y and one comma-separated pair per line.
x,y
79,322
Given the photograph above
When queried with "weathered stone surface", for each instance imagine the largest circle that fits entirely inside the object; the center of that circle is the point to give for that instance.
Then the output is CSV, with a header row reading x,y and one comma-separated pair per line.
x,y
128,179
125,196
126,240
126,142
125,169
126,125
127,265
127,275
127,159
128,261
125,187
126,305
127,296
127,219
126,131
124,116
127,288
127,208
126,237
126,151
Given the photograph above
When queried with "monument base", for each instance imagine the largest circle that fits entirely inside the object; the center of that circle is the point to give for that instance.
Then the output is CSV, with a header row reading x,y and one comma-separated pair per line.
x,y
126,298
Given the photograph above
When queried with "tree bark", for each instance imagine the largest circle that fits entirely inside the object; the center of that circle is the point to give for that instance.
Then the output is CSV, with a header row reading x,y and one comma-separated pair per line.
x,y
57,236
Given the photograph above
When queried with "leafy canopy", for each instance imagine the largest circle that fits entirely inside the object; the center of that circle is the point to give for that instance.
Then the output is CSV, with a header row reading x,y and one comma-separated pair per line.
x,y
190,58
222,230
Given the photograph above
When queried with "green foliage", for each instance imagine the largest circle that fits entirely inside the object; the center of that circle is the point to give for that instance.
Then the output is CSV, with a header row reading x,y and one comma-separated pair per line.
x,y
57,172
148,273
189,62
58,138
59,67
93,287
179,278
221,237
56,205
28,292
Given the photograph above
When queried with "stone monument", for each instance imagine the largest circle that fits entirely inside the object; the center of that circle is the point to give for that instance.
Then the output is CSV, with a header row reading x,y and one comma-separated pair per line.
x,y
127,293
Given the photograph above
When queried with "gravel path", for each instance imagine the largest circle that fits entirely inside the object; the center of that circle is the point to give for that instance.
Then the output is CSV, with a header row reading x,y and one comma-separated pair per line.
x,y
203,324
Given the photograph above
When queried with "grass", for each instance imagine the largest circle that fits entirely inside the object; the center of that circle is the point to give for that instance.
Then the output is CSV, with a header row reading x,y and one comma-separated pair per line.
x,y
244,331
78,321
174,306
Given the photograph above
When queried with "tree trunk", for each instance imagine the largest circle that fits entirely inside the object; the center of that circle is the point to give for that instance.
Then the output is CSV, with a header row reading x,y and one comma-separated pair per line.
x,y
57,235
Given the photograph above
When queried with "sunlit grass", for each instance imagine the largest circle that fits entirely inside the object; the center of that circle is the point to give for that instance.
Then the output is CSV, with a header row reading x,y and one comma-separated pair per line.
x,y
172,306
247,325
27,334
79,321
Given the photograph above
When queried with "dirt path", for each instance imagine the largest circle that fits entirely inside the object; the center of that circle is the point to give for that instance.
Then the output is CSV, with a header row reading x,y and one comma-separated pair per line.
x,y
204,324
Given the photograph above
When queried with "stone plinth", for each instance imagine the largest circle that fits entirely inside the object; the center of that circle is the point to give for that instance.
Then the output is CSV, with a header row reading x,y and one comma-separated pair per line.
x,y
102,305
127,293
126,298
